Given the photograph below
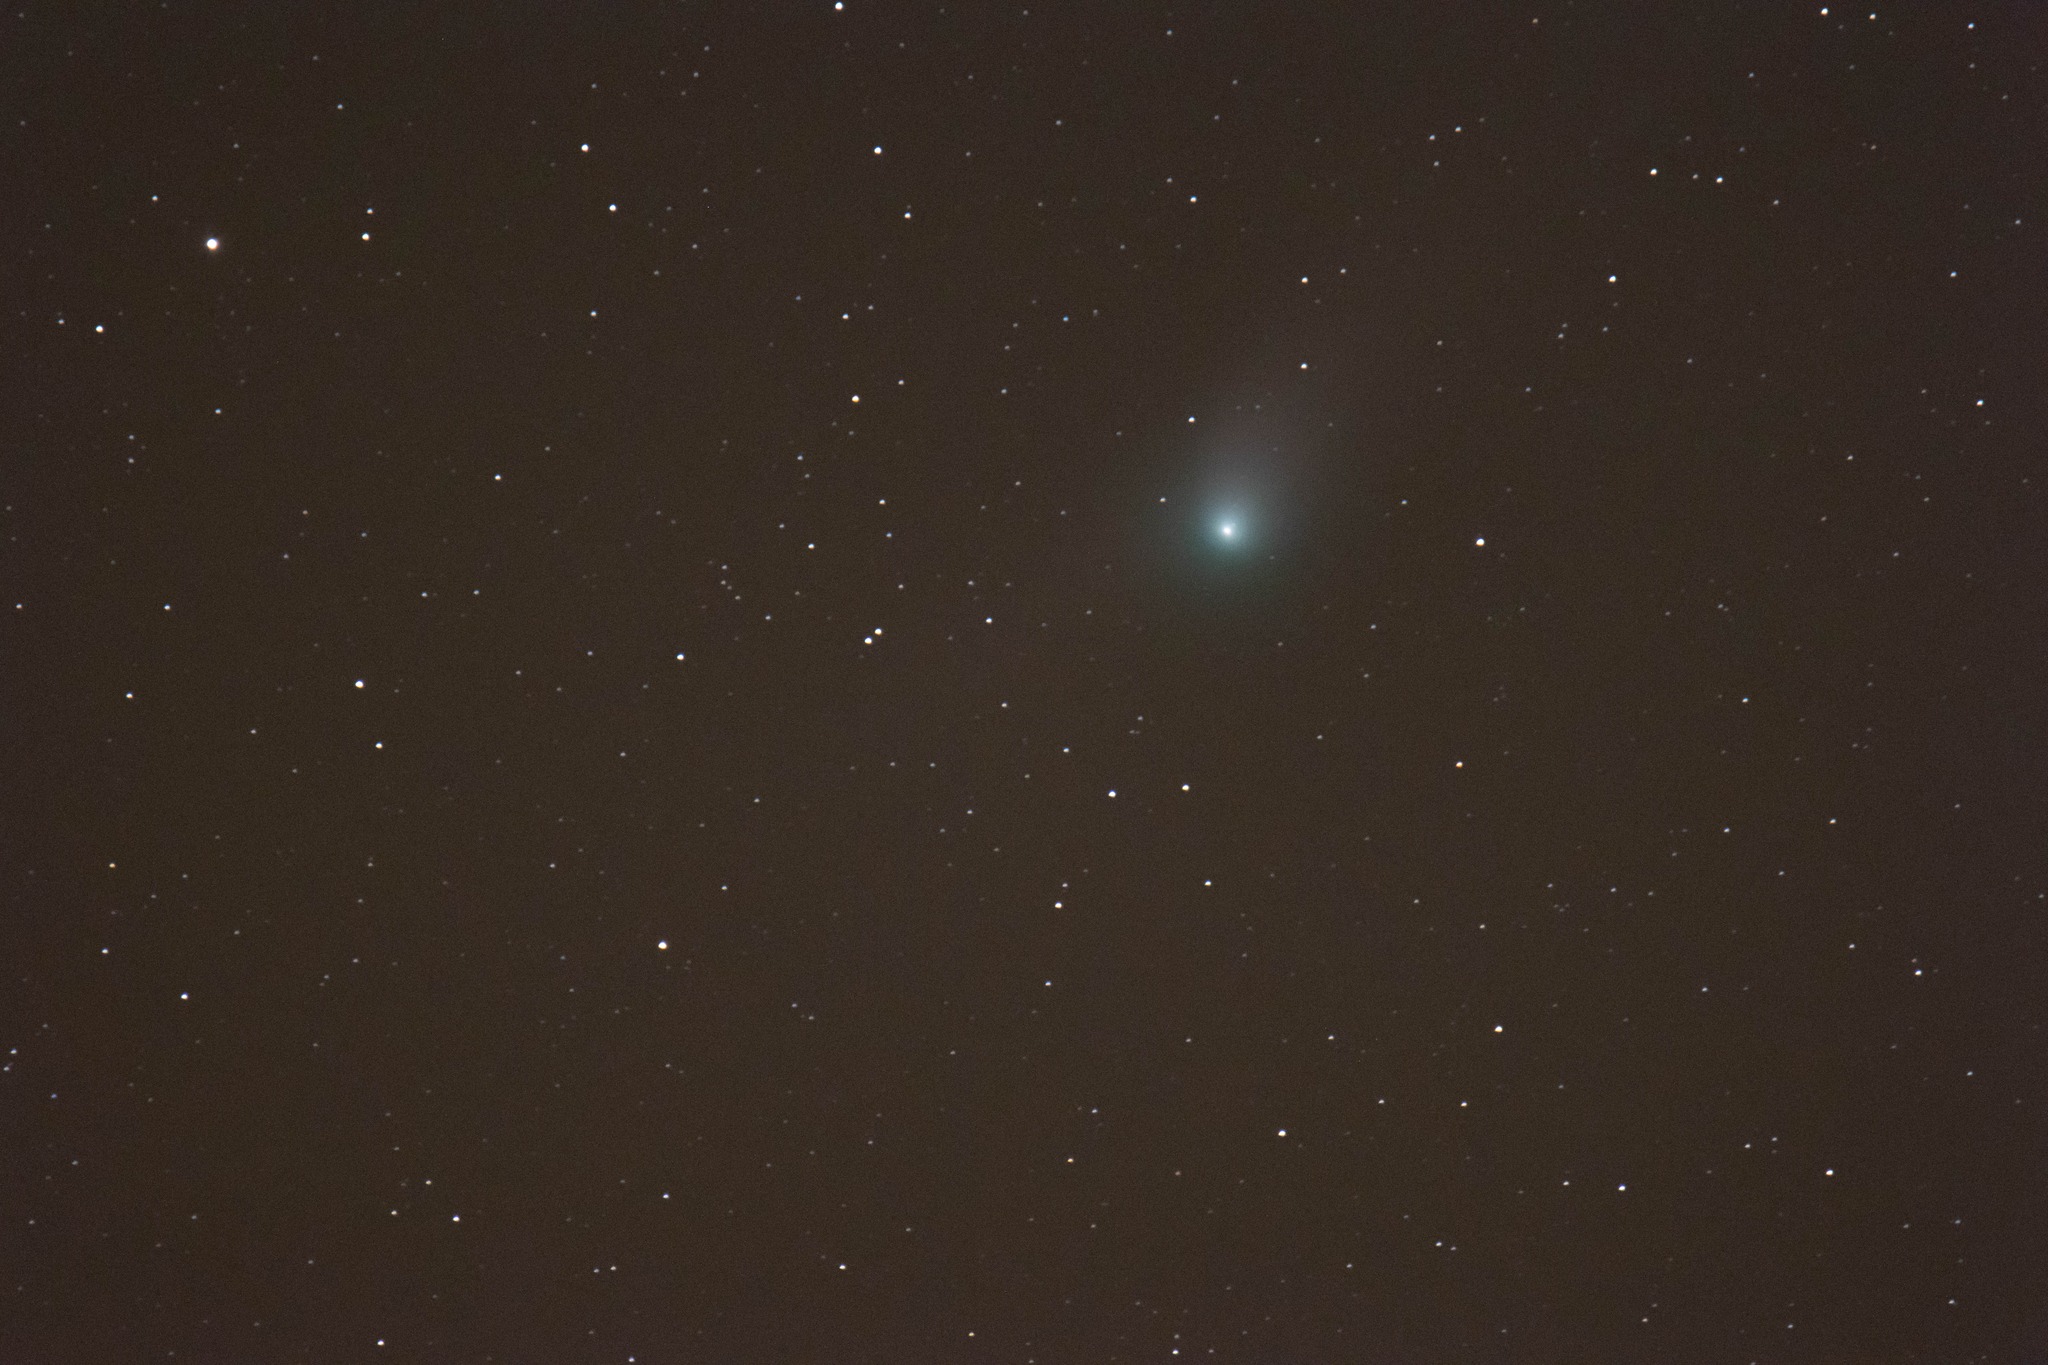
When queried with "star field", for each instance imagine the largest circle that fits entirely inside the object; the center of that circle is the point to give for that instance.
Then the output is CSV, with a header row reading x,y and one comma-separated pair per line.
x,y
1122,683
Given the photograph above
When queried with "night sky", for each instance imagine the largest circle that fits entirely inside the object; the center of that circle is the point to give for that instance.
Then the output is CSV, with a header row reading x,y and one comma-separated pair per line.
x,y
1098,683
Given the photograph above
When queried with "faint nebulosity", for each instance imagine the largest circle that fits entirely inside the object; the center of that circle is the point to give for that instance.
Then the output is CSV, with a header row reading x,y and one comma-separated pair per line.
x,y
1099,683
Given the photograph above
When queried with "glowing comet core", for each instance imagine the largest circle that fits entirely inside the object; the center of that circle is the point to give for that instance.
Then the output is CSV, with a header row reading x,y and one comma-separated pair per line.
x,y
1230,527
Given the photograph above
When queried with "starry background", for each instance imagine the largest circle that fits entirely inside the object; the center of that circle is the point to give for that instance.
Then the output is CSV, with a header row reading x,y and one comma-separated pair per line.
x,y
632,732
